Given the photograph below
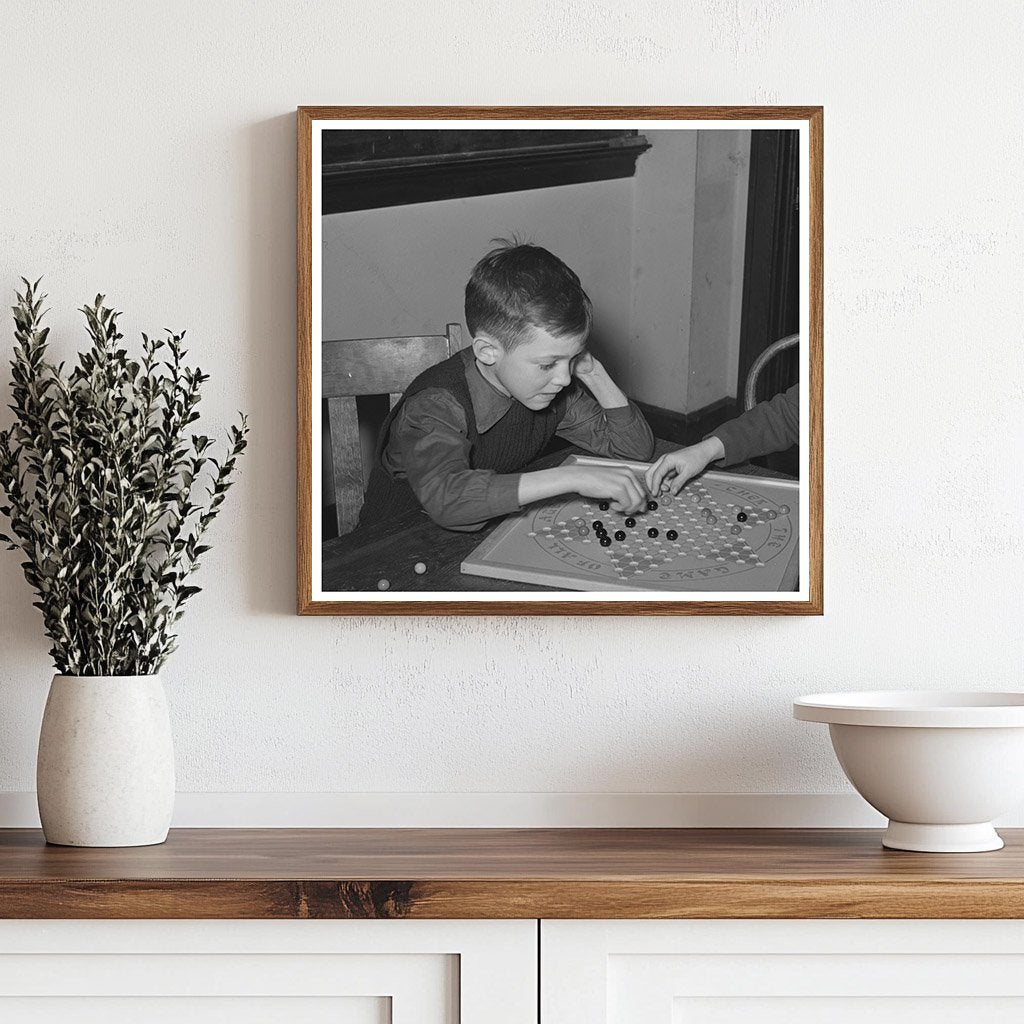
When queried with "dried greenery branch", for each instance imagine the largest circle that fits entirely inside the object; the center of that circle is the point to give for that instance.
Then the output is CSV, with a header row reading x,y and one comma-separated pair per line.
x,y
108,494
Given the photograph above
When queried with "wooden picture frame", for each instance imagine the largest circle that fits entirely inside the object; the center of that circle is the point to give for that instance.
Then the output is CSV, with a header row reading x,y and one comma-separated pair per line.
x,y
355,171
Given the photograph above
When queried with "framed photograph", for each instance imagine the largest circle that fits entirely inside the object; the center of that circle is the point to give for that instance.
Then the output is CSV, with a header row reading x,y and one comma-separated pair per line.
x,y
559,361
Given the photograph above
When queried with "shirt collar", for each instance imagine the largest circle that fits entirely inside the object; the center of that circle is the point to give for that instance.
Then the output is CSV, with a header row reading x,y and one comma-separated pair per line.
x,y
489,404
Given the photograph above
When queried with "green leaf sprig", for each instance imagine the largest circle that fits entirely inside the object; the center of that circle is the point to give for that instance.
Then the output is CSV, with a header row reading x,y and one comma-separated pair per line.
x,y
109,494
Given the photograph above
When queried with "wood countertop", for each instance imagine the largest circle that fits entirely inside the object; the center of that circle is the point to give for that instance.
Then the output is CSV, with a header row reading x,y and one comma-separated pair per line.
x,y
508,873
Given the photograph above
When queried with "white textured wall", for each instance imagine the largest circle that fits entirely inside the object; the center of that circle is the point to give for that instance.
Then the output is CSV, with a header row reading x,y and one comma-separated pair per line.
x,y
148,151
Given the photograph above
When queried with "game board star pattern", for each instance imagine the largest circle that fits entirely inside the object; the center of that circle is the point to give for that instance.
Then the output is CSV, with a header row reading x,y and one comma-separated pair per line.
x,y
696,535
707,527
722,532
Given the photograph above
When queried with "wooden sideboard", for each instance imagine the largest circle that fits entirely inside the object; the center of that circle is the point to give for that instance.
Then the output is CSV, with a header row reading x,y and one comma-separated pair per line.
x,y
508,873
561,926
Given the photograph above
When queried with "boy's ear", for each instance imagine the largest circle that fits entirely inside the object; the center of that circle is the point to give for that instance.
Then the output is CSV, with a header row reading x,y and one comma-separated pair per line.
x,y
486,349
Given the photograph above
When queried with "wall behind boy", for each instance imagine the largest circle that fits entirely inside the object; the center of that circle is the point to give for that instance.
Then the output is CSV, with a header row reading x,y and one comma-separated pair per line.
x,y
403,270
151,156
660,254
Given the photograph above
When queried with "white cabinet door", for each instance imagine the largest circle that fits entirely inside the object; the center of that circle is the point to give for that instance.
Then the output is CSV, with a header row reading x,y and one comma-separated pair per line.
x,y
782,972
258,972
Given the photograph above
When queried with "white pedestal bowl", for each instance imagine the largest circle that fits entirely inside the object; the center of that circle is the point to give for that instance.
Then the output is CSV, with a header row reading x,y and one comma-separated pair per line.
x,y
940,766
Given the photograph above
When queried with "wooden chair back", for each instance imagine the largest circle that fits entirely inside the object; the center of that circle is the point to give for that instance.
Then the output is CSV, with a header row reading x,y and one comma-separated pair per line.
x,y
369,366
754,374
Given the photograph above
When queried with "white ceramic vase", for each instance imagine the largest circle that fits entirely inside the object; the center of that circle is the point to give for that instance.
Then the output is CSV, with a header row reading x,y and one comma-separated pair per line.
x,y
105,771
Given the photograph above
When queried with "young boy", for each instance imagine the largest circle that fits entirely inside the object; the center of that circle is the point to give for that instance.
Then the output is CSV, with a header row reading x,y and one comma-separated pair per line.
x,y
768,427
457,443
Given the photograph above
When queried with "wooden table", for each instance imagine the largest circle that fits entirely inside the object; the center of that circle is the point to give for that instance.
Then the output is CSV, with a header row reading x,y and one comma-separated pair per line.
x,y
508,873
358,560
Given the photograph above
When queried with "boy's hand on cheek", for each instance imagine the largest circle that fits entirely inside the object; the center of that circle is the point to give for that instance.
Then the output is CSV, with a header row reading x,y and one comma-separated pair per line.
x,y
586,366
591,373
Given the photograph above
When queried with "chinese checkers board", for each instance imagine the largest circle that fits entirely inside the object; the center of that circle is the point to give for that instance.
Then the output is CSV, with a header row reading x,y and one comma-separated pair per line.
x,y
722,532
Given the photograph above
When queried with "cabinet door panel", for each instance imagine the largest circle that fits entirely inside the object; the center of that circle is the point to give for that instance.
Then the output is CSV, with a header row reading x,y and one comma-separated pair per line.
x,y
187,1010
727,972
847,1010
302,972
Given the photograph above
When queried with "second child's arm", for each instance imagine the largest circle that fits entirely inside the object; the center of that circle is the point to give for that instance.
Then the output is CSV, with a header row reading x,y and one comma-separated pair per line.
x,y
771,426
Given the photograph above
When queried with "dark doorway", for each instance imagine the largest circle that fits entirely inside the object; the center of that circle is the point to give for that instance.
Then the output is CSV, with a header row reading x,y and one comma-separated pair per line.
x,y
771,276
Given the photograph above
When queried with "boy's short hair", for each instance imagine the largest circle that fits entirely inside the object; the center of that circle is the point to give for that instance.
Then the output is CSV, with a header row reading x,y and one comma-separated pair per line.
x,y
517,286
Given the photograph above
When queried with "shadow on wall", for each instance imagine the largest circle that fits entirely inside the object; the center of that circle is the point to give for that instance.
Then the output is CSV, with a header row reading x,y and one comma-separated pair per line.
x,y
267,181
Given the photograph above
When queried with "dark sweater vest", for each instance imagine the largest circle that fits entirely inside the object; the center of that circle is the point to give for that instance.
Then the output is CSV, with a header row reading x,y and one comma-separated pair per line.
x,y
512,443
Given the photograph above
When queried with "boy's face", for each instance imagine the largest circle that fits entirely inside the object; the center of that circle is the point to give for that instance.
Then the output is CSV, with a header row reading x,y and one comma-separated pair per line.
x,y
534,371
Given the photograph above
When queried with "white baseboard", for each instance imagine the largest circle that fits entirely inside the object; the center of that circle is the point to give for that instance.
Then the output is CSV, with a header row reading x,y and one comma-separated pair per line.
x,y
495,810
504,810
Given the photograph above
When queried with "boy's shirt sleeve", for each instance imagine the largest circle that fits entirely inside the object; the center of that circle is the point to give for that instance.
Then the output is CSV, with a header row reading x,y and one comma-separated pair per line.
x,y
428,445
620,433
771,426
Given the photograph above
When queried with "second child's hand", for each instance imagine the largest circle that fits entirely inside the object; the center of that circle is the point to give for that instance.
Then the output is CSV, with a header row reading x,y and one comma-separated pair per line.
x,y
671,471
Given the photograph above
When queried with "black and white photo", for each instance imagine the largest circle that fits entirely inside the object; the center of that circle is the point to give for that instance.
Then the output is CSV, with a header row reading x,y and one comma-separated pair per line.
x,y
559,365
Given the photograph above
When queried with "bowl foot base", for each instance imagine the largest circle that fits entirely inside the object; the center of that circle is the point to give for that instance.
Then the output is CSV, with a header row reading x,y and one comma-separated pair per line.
x,y
979,838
